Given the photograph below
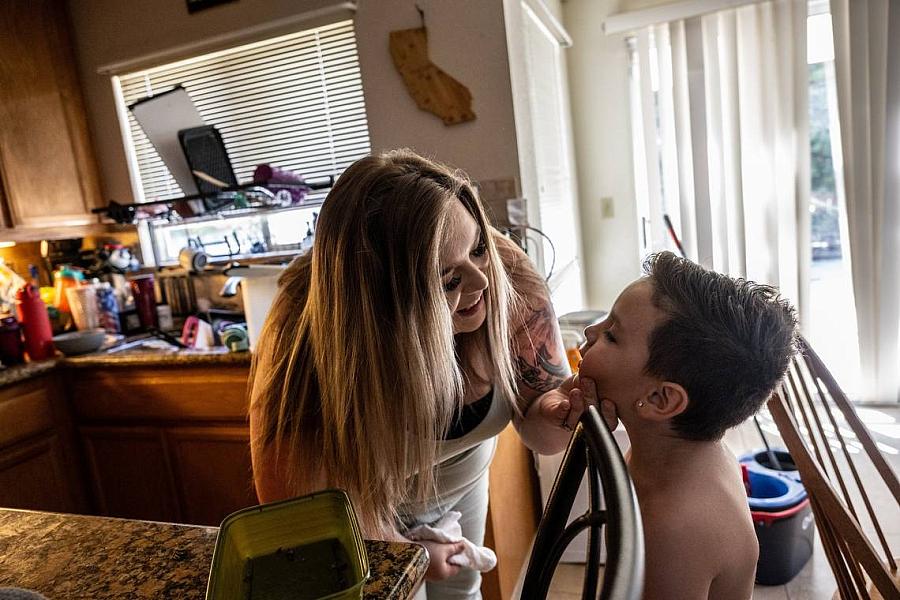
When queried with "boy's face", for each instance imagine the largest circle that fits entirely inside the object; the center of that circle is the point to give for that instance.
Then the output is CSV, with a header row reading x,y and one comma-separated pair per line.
x,y
616,350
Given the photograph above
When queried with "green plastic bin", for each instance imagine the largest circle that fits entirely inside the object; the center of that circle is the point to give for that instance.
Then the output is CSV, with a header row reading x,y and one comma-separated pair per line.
x,y
307,547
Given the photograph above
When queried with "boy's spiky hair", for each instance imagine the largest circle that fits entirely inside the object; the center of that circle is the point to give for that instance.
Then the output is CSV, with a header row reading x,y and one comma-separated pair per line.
x,y
727,341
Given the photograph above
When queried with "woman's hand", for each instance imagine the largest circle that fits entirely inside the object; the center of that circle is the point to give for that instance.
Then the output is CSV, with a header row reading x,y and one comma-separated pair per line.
x,y
563,406
438,554
584,393
551,418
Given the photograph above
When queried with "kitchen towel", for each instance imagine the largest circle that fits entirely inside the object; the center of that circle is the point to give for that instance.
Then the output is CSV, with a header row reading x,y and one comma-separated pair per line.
x,y
447,530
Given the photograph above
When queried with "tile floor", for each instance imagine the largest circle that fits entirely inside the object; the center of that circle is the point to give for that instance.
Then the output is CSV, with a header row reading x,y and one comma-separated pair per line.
x,y
815,581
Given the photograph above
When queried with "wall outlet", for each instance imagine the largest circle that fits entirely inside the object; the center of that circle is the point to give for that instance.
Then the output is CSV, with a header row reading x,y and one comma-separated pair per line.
x,y
607,207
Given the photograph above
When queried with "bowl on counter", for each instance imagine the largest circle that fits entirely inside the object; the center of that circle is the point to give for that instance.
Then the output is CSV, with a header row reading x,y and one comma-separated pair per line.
x,y
79,342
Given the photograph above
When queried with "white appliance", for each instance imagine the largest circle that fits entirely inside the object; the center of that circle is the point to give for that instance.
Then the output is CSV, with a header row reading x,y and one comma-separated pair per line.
x,y
258,283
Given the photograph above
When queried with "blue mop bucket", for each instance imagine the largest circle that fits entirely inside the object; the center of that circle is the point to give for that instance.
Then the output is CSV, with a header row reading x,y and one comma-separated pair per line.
x,y
758,460
783,520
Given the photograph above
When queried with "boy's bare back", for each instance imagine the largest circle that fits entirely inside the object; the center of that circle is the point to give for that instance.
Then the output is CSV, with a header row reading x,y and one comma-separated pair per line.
x,y
699,536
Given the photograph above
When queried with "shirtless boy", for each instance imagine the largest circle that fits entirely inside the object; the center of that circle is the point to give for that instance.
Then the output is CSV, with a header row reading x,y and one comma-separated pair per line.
x,y
684,355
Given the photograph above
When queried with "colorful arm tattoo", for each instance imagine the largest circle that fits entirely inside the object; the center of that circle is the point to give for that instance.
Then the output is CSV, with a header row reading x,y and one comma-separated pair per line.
x,y
540,365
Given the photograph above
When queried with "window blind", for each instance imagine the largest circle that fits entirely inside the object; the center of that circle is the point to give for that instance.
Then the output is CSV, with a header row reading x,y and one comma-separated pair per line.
x,y
294,101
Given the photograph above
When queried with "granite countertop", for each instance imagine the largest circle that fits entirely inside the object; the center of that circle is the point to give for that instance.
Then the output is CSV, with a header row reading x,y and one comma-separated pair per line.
x,y
126,358
148,357
18,373
74,556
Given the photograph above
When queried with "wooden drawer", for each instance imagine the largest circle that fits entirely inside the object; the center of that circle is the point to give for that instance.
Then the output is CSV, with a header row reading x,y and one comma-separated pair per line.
x,y
25,410
160,394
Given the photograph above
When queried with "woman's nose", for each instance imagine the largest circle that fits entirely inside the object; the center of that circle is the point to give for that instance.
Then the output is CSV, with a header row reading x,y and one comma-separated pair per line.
x,y
476,280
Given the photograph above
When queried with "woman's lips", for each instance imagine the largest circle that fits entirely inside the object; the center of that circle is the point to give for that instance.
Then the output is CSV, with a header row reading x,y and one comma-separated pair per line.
x,y
465,312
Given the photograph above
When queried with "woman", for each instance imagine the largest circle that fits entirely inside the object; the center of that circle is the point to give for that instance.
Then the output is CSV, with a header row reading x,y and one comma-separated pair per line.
x,y
397,350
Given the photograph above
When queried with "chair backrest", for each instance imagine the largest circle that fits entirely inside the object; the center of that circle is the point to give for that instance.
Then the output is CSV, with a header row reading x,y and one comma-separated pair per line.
x,y
824,436
592,449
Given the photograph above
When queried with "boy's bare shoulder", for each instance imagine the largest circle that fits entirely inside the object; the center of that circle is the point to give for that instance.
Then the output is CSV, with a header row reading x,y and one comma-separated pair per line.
x,y
699,541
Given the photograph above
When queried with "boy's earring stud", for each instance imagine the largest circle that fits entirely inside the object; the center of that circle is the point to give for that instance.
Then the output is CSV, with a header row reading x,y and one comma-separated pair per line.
x,y
640,403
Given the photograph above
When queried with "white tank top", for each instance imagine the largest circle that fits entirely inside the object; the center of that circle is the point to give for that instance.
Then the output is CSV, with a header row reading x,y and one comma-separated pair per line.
x,y
464,460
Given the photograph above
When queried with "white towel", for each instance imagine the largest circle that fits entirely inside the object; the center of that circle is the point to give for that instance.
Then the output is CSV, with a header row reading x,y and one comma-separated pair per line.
x,y
448,531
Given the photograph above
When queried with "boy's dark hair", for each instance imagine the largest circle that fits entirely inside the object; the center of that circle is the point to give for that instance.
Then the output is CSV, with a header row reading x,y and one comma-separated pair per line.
x,y
727,341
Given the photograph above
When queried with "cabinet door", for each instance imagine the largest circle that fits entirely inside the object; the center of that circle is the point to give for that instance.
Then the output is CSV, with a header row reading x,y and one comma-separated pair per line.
x,y
47,168
131,473
33,475
212,470
513,514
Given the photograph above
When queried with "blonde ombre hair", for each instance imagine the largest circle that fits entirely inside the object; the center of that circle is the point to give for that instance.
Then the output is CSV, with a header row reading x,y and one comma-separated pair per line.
x,y
357,370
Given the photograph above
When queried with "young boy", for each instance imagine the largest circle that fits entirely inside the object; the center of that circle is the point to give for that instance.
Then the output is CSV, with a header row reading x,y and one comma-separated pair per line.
x,y
684,355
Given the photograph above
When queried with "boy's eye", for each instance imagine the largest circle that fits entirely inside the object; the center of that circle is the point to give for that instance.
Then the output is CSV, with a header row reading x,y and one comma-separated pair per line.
x,y
609,336
452,284
480,249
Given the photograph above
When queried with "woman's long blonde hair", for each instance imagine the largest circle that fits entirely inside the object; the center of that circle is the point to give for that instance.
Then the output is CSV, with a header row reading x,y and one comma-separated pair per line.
x,y
357,374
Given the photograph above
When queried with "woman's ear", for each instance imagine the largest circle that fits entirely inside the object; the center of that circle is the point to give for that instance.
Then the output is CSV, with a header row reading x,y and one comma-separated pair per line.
x,y
666,401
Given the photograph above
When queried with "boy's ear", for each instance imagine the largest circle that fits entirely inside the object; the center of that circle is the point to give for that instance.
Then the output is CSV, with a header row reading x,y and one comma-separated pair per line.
x,y
668,400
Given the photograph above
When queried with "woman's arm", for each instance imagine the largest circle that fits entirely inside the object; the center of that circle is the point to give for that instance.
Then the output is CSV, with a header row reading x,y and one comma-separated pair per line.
x,y
544,384
270,472
543,380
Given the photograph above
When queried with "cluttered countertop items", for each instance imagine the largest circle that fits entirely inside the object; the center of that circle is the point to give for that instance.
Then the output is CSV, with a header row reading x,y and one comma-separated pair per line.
x,y
109,311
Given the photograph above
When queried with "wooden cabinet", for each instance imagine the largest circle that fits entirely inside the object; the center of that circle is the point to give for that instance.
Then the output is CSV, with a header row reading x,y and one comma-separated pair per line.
x,y
161,394
195,475
513,513
213,471
166,443
39,466
34,475
130,473
48,174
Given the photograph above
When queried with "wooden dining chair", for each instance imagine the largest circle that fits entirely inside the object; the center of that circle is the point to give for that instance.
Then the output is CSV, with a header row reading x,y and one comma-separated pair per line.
x,y
613,510
829,445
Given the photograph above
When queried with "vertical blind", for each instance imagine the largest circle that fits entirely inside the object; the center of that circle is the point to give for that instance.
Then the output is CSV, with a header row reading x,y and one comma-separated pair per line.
x,y
721,140
294,101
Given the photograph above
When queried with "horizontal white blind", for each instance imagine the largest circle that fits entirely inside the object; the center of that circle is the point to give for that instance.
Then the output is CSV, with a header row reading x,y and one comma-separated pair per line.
x,y
294,101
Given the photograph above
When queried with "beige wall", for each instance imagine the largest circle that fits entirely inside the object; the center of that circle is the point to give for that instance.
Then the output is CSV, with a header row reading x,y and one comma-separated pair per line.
x,y
598,87
466,38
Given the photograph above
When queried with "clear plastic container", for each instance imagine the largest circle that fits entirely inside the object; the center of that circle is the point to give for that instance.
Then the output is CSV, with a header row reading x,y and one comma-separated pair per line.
x,y
83,306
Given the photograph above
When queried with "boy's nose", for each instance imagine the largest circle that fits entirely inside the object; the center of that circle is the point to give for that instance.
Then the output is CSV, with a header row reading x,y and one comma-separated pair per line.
x,y
590,335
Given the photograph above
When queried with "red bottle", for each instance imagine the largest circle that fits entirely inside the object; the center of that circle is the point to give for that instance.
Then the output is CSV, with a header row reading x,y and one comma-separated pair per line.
x,y
35,322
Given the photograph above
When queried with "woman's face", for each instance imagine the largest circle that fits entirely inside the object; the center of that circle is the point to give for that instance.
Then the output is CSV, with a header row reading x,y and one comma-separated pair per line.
x,y
617,348
464,263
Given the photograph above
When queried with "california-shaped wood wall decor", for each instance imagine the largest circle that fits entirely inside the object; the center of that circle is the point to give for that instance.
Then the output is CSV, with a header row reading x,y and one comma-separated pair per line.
x,y
431,88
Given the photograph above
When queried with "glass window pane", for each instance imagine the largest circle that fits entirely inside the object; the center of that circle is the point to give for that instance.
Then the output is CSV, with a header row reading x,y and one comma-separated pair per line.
x,y
832,327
